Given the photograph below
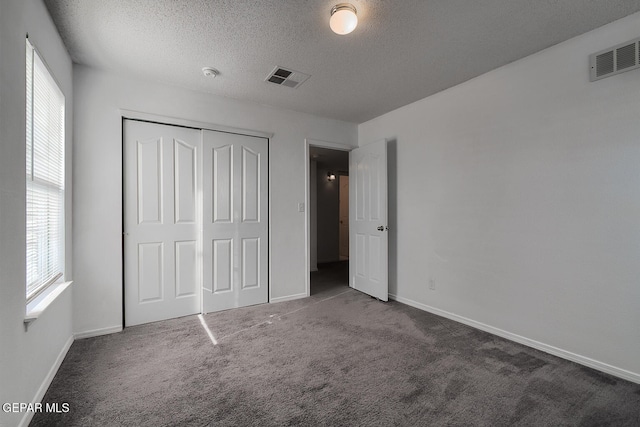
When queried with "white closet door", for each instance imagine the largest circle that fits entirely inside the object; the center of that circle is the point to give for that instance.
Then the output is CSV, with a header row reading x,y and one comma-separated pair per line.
x,y
235,250
369,238
161,218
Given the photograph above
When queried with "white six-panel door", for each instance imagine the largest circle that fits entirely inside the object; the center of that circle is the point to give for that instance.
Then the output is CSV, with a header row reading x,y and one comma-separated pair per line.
x,y
161,219
235,250
368,247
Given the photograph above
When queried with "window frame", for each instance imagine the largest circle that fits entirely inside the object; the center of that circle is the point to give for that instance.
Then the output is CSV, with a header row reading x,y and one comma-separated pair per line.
x,y
51,186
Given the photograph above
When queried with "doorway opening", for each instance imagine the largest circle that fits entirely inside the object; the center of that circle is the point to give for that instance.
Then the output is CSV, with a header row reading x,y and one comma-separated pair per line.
x,y
328,220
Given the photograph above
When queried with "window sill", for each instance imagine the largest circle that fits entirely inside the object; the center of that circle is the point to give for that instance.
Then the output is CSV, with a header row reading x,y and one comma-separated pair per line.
x,y
36,307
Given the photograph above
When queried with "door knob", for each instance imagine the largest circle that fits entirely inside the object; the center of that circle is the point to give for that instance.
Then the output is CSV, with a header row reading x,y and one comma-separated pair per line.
x,y
381,228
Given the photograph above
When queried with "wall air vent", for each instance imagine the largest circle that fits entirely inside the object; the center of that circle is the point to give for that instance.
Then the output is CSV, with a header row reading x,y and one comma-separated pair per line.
x,y
615,60
286,77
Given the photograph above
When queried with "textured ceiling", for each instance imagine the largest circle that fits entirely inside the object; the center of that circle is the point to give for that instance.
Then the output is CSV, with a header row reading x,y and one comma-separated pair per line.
x,y
401,51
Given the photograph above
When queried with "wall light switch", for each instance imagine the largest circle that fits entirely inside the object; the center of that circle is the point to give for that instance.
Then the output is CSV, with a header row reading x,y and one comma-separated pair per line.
x,y
300,207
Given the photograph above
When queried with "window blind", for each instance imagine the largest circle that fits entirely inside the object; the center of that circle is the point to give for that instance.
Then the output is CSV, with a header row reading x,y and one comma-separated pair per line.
x,y
45,176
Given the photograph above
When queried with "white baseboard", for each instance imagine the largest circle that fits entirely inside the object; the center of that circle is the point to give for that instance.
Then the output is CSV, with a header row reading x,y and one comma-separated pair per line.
x,y
564,354
288,298
26,419
98,332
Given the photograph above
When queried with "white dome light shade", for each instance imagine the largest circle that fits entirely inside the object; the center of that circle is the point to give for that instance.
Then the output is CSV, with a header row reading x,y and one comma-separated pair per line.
x,y
343,18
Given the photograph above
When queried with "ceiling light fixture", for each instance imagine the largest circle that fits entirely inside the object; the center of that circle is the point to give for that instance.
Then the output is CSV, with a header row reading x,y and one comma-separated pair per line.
x,y
344,18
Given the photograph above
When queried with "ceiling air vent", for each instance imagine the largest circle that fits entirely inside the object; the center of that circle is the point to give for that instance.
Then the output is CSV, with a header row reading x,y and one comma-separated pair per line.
x,y
615,60
286,77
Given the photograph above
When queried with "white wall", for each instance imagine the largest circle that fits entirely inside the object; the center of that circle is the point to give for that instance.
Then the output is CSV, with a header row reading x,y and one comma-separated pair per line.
x,y
518,192
97,208
27,356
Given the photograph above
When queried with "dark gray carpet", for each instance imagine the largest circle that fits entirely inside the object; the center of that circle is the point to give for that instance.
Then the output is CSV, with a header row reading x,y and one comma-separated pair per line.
x,y
336,358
